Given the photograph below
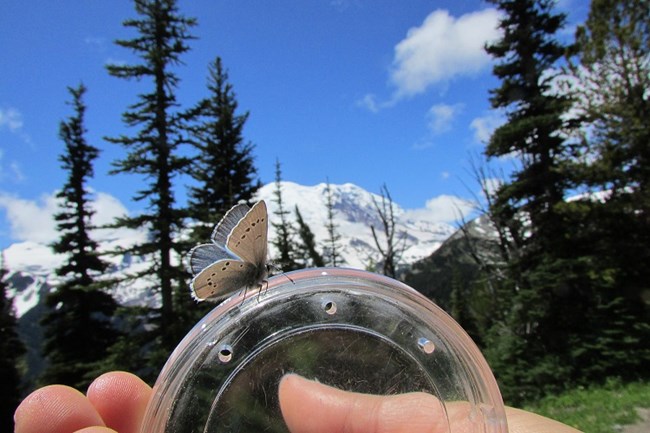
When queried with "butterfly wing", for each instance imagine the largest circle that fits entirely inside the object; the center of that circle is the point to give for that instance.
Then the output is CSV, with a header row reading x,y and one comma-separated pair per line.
x,y
222,278
202,256
248,239
228,223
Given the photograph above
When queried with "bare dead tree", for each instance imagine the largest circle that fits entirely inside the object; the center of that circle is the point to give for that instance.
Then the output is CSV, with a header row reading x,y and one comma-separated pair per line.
x,y
395,243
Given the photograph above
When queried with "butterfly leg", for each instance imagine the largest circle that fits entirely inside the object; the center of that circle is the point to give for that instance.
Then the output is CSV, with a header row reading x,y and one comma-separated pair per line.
x,y
261,288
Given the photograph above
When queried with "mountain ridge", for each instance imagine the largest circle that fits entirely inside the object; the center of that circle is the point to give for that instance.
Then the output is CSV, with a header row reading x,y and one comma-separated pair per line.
x,y
32,265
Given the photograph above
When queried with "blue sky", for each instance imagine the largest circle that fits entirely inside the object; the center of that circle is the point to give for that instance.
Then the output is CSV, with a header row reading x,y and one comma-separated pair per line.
x,y
361,91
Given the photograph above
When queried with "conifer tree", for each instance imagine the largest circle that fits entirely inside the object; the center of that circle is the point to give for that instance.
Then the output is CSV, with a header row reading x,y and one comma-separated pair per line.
x,y
529,205
12,349
224,169
612,51
284,231
78,326
153,150
332,254
306,251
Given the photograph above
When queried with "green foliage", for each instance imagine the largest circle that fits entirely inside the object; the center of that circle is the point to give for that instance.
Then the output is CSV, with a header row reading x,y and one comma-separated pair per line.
x,y
138,348
78,332
596,409
224,169
284,232
306,251
73,220
12,349
612,52
153,151
77,325
574,270
332,248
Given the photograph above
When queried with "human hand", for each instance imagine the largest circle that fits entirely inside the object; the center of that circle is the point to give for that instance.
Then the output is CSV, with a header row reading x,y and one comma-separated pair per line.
x,y
333,410
117,401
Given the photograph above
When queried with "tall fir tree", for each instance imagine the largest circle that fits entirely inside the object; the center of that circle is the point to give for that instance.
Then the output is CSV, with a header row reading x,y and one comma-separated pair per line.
x,y
306,252
612,51
528,206
78,327
332,248
153,151
284,231
224,169
12,350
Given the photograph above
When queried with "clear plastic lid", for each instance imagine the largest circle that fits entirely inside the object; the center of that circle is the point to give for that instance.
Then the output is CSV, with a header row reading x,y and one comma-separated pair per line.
x,y
350,329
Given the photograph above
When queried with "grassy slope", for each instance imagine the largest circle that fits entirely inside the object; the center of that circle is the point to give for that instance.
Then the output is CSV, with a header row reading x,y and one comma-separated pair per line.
x,y
596,409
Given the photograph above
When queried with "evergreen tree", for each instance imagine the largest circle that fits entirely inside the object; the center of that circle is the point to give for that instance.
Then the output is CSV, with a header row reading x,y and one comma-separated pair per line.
x,y
153,152
306,251
532,358
224,169
612,52
332,247
284,231
12,350
78,326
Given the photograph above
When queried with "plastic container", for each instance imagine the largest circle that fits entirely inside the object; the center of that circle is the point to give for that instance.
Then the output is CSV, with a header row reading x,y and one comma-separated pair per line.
x,y
350,329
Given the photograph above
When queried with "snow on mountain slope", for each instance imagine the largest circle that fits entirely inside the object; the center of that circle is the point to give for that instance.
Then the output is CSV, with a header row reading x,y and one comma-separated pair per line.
x,y
32,265
354,214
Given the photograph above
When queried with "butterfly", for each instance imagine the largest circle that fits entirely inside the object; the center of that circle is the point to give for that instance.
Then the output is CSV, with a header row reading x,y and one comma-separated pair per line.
x,y
236,258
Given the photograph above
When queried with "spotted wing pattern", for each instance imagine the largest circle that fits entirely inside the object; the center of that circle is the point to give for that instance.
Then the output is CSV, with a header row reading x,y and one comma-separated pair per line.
x,y
236,258
248,239
222,278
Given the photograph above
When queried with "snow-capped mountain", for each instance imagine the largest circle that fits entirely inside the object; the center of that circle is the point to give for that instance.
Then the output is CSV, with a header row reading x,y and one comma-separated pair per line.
x,y
354,214
32,265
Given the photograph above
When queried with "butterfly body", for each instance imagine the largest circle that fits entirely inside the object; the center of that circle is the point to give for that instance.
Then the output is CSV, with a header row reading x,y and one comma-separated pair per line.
x,y
236,258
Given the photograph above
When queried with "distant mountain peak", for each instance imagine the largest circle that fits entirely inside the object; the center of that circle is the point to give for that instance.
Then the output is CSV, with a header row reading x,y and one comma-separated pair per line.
x,y
32,265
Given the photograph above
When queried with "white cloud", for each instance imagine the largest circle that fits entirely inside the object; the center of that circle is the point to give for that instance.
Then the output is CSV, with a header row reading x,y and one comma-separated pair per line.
x,y
11,119
107,208
441,117
443,208
369,102
442,48
33,220
484,126
11,171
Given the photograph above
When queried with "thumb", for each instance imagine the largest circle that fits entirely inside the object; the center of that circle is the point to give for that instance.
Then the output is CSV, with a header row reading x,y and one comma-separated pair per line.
x,y
311,407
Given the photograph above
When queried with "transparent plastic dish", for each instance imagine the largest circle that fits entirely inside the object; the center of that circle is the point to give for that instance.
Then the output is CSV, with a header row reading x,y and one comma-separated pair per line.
x,y
349,329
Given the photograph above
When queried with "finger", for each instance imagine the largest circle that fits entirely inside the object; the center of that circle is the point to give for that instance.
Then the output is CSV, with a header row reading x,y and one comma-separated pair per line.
x,y
334,410
96,430
55,409
520,421
121,399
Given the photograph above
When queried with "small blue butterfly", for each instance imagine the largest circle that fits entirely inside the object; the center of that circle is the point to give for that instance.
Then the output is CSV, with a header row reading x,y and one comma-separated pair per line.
x,y
237,256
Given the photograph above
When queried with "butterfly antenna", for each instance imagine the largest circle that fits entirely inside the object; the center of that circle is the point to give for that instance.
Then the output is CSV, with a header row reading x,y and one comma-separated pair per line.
x,y
288,278
272,266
